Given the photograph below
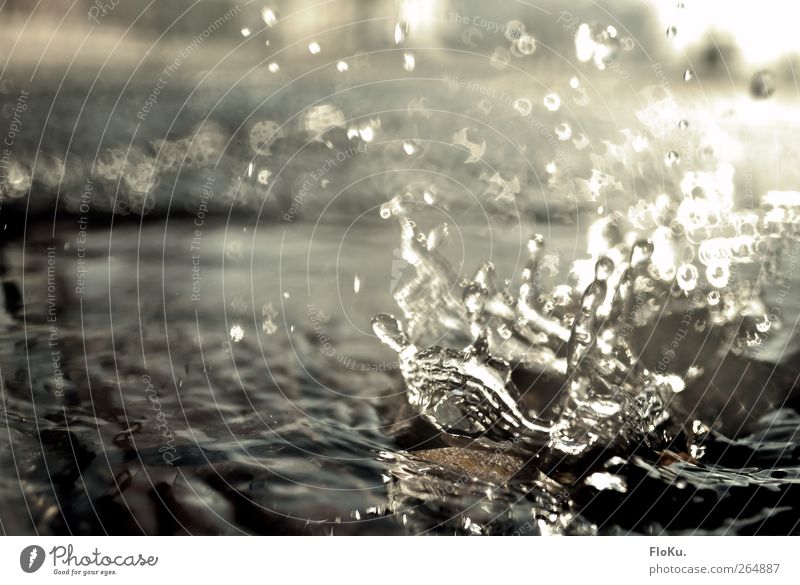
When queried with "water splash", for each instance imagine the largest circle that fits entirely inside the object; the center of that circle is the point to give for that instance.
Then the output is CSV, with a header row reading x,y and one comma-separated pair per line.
x,y
580,332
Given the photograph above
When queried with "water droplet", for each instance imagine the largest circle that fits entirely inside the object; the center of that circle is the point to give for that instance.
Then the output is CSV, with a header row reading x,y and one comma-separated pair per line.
x,y
672,32
342,66
523,106
236,333
400,32
269,327
574,82
409,147
245,32
718,275
273,67
688,75
762,84
269,17
526,45
263,176
366,133
485,107
687,277
581,141
429,197
551,167
356,283
314,48
683,124
552,102
409,63
606,481
286,295
563,131
385,211
597,44
672,158
764,324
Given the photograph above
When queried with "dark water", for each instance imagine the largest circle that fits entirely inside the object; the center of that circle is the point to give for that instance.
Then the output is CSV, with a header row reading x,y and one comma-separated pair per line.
x,y
137,409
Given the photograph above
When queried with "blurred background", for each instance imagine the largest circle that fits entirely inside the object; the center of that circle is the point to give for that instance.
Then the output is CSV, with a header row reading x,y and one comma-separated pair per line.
x,y
230,76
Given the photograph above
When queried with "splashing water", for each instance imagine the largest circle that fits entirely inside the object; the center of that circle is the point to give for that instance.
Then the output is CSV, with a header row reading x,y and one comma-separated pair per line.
x,y
582,332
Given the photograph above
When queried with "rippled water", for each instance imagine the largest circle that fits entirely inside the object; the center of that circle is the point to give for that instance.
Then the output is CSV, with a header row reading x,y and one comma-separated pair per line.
x,y
261,407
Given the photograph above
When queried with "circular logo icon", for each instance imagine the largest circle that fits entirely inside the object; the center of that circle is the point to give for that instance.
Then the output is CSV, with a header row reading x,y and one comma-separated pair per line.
x,y
31,558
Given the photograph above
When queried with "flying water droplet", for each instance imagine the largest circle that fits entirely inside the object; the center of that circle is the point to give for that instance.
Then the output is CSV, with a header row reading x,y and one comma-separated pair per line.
x,y
718,275
672,32
552,102
236,333
268,16
597,44
764,324
523,106
563,131
409,63
581,141
366,133
672,158
400,32
687,275
526,45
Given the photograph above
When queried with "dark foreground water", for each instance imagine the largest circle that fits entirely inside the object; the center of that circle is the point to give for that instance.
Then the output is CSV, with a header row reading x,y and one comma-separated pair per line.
x,y
256,399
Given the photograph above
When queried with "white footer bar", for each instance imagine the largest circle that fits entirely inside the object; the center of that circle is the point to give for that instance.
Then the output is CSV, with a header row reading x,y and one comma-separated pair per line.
x,y
398,560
